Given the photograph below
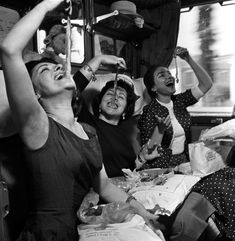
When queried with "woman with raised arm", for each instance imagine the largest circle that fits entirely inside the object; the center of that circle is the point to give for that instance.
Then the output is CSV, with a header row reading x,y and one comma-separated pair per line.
x,y
63,157
165,122
112,118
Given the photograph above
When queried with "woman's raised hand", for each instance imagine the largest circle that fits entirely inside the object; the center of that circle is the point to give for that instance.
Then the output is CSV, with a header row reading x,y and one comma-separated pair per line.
x,y
113,60
150,151
182,53
163,123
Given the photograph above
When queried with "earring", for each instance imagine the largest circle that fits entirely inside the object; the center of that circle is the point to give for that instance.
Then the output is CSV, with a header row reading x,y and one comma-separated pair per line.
x,y
123,116
38,95
99,109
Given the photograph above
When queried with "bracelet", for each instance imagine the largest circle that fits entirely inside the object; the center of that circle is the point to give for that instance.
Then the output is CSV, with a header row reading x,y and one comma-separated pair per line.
x,y
93,77
140,159
130,198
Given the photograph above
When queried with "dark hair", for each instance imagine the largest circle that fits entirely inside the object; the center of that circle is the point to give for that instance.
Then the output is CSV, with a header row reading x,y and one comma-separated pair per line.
x,y
131,97
149,79
30,65
46,57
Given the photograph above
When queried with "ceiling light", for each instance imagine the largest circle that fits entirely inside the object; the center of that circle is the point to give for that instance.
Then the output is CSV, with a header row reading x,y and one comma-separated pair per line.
x,y
186,9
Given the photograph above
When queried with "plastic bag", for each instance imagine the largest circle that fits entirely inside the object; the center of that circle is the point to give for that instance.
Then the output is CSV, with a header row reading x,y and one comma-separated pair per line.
x,y
205,158
91,213
226,129
106,214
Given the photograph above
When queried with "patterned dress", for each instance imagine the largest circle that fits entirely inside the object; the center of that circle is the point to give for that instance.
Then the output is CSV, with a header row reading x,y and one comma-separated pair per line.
x,y
148,121
219,189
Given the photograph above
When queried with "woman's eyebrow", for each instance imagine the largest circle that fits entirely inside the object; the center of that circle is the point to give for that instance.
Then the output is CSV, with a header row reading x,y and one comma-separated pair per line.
x,y
121,92
161,72
40,66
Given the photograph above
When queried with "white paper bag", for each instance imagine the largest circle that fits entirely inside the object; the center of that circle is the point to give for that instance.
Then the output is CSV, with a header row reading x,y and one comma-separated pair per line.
x,y
226,129
205,158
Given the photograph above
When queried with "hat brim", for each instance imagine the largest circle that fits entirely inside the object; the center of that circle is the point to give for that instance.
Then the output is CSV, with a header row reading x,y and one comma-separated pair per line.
x,y
126,12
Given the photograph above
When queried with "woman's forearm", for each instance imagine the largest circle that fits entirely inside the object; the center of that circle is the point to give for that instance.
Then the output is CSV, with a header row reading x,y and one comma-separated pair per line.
x,y
107,190
204,80
89,69
111,193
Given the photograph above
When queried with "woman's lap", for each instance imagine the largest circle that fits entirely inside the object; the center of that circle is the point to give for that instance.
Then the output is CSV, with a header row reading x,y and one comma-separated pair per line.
x,y
219,188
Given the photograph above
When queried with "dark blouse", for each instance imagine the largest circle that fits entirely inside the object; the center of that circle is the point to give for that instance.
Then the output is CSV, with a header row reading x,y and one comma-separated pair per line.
x,y
60,174
115,140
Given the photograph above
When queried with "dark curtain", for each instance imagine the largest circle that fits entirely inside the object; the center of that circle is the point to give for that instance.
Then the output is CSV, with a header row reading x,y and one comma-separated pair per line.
x,y
159,47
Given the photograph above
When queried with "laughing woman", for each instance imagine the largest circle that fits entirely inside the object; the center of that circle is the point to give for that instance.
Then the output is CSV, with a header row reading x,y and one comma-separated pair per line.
x,y
165,122
113,121
63,157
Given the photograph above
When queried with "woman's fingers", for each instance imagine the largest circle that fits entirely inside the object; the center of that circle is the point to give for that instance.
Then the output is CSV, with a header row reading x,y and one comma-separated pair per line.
x,y
165,121
151,220
182,52
160,234
121,63
114,60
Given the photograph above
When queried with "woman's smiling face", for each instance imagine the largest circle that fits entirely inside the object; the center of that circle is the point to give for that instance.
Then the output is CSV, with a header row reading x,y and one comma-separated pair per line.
x,y
114,106
164,82
49,79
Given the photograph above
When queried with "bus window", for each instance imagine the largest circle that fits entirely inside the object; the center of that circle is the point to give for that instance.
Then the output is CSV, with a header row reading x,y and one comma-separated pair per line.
x,y
207,32
77,32
108,45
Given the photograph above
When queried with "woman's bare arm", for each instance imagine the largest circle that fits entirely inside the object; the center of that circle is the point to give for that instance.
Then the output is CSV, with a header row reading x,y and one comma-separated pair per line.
x,y
27,113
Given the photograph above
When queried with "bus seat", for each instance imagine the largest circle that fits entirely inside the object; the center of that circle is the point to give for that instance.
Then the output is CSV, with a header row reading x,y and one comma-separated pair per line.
x,y
12,168
14,174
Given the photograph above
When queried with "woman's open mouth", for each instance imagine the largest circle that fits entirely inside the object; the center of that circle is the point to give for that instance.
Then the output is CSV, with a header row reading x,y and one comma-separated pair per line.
x,y
170,84
112,105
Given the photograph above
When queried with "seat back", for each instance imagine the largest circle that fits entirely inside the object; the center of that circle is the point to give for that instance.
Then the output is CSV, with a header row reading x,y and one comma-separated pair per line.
x,y
13,171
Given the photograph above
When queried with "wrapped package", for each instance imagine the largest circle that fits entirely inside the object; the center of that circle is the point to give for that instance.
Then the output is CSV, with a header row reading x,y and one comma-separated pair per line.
x,y
135,229
91,213
226,129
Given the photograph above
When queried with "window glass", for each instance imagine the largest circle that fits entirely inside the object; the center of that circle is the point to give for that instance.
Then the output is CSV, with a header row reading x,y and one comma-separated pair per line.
x,y
104,45
77,44
77,32
108,45
208,33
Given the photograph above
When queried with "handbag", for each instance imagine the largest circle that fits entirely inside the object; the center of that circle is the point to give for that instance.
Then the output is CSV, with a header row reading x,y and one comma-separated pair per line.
x,y
205,158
